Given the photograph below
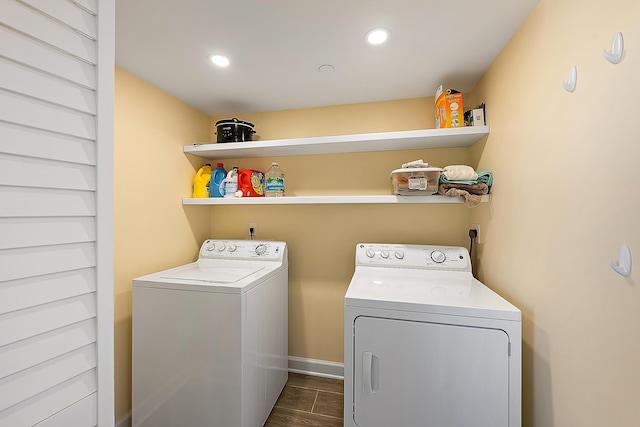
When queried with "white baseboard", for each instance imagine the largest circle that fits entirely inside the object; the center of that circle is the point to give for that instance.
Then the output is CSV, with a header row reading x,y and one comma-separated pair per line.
x,y
124,421
318,368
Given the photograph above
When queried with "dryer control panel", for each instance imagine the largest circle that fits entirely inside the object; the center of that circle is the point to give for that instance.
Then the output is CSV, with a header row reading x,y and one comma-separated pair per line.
x,y
413,256
243,249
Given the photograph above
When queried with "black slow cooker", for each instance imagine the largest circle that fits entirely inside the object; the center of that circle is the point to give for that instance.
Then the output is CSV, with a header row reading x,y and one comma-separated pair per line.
x,y
234,130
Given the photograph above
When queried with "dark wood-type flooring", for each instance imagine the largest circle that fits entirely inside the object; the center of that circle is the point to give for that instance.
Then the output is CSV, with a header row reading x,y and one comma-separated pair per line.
x,y
308,401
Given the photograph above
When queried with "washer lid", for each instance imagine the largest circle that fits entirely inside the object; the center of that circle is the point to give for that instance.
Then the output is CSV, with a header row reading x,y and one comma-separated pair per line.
x,y
226,277
441,292
198,273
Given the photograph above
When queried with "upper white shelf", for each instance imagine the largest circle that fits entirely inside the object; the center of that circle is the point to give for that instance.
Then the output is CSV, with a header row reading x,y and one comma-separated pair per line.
x,y
385,141
326,200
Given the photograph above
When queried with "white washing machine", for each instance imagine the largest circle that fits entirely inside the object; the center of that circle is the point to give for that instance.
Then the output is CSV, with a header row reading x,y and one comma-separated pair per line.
x,y
426,344
210,345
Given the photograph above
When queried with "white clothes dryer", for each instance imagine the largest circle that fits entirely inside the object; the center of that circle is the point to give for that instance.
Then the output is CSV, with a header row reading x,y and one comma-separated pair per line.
x,y
210,338
426,344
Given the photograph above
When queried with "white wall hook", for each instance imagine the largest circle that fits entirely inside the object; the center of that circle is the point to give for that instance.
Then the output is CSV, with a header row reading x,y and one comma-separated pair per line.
x,y
617,49
570,85
623,266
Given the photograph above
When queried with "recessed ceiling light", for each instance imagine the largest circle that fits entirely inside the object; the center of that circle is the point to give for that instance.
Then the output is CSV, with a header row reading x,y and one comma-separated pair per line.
x,y
219,60
377,35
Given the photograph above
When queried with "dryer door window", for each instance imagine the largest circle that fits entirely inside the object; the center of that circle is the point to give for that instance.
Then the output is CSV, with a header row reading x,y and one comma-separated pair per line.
x,y
428,374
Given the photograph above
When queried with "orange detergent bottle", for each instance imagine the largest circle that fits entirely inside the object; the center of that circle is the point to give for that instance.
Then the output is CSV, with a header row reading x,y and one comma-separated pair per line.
x,y
251,183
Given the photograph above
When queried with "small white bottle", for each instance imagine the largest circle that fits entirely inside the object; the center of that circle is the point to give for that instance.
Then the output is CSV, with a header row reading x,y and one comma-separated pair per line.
x,y
274,181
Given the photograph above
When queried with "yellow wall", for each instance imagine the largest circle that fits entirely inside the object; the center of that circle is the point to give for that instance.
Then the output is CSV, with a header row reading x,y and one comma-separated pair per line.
x,y
322,238
153,231
385,116
565,199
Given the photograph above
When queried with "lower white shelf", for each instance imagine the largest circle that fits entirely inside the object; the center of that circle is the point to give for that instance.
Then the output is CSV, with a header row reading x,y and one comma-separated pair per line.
x,y
325,200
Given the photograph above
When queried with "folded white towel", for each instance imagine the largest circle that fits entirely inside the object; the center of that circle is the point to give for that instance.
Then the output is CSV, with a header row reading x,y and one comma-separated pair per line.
x,y
460,173
415,164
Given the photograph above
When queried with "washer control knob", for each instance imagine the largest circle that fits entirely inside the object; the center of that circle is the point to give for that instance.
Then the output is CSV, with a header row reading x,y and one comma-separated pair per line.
x,y
221,248
399,254
438,256
384,254
232,248
261,249
371,253
211,246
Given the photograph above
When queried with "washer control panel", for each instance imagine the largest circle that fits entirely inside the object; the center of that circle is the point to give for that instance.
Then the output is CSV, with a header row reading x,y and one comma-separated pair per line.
x,y
242,249
413,256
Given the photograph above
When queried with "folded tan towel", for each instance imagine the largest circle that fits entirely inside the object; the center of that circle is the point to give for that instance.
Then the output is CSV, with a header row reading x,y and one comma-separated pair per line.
x,y
460,173
471,193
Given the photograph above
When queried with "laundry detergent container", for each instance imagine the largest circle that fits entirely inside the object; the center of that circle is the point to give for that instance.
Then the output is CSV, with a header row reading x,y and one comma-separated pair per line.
x,y
415,181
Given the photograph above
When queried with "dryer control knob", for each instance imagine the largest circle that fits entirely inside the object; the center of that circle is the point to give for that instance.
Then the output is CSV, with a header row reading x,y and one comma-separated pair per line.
x,y
384,254
221,248
438,256
399,254
371,253
261,249
211,247
232,248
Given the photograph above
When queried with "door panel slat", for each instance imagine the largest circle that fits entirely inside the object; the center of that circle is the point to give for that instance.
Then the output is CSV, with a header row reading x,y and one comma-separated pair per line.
x,y
21,18
34,291
81,414
41,144
38,261
29,383
48,403
67,12
24,324
33,53
26,111
30,352
30,82
34,202
41,231
42,173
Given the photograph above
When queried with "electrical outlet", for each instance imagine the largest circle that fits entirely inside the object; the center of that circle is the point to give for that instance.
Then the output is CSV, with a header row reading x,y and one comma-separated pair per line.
x,y
478,234
255,229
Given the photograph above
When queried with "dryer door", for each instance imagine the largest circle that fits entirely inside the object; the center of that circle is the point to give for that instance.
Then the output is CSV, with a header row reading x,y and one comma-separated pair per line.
x,y
428,374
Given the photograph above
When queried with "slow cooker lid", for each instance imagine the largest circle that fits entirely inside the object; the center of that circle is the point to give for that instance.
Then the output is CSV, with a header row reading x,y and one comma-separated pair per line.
x,y
233,121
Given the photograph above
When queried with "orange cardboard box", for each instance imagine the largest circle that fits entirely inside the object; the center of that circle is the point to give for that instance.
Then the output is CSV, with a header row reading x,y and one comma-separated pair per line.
x,y
449,110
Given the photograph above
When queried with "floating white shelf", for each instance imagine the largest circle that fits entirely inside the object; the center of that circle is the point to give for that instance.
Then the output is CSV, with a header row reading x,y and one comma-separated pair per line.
x,y
325,200
404,140
385,141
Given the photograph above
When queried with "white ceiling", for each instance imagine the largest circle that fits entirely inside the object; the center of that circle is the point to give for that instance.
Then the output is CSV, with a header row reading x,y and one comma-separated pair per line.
x,y
276,47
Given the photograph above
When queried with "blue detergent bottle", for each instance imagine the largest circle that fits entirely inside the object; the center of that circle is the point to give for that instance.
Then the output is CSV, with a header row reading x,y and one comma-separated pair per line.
x,y
216,187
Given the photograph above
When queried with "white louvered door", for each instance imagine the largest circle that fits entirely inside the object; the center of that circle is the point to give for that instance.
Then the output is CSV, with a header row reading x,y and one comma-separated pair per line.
x,y
56,212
